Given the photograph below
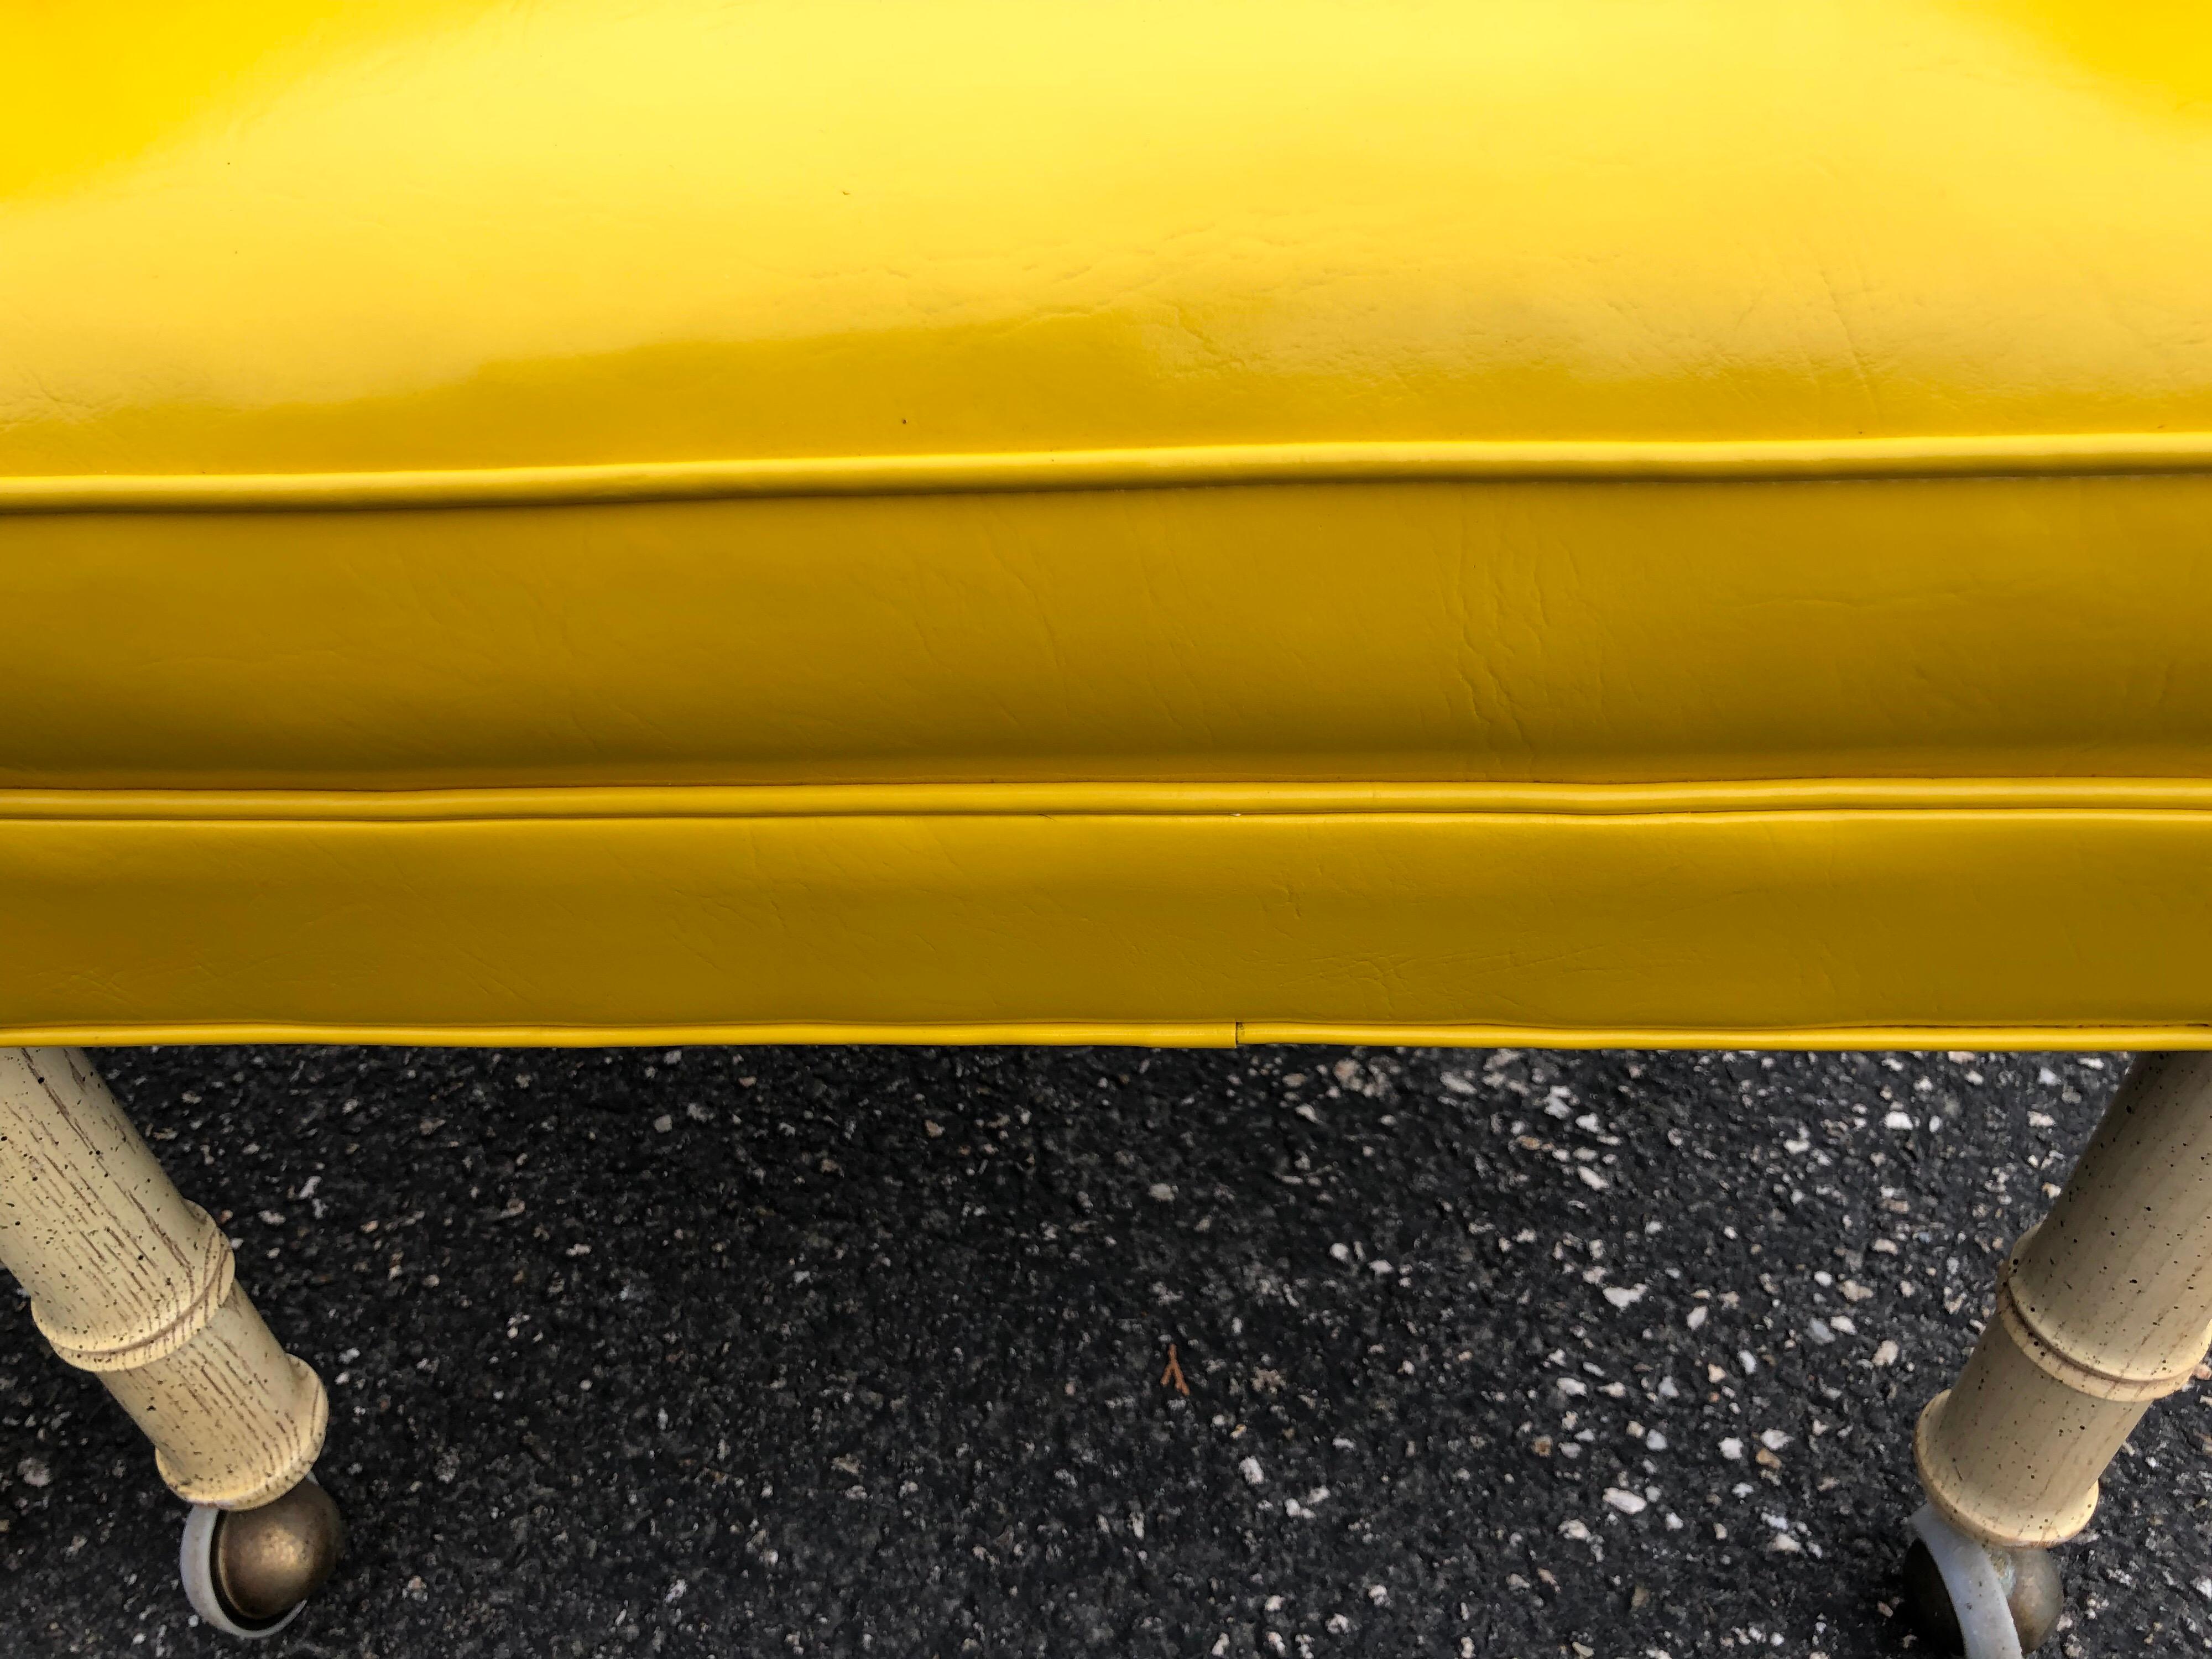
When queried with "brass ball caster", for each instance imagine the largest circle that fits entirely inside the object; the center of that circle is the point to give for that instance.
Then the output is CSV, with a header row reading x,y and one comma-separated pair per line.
x,y
248,1572
1964,1597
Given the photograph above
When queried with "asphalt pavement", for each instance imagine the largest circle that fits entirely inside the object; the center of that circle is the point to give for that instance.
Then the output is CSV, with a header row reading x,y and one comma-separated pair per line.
x,y
867,1350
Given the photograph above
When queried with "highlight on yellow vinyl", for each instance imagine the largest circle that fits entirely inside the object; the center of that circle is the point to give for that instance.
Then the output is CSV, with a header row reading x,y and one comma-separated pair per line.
x,y
301,235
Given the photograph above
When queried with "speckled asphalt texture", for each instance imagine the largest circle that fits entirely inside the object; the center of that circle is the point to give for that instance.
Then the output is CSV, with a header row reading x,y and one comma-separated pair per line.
x,y
787,1350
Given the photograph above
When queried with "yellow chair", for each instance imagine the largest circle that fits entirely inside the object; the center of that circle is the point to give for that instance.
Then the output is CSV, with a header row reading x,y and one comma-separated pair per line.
x,y
1534,521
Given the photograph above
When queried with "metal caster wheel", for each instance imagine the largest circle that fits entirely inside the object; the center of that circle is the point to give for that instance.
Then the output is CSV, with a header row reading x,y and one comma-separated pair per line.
x,y
248,1572
1964,1597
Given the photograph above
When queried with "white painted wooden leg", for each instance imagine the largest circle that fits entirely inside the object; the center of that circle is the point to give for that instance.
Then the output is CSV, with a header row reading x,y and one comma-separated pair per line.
x,y
2104,1307
132,1281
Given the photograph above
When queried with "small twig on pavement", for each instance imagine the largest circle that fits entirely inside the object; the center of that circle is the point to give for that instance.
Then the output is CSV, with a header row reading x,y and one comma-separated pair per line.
x,y
1174,1373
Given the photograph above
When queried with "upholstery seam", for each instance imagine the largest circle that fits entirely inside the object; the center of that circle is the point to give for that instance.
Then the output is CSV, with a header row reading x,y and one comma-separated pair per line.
x,y
1975,796
1168,467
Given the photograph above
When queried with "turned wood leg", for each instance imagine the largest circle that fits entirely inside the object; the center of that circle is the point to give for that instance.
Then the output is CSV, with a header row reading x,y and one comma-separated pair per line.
x,y
2104,1307
132,1281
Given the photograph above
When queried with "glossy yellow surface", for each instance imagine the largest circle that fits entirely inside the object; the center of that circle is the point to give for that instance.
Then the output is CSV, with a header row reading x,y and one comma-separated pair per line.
x,y
304,235
780,415
1988,918
1502,631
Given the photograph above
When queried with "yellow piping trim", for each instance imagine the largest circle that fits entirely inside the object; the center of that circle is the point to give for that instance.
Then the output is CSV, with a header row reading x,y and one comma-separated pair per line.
x,y
1924,1038
1213,1034
1109,799
1762,459
1220,1034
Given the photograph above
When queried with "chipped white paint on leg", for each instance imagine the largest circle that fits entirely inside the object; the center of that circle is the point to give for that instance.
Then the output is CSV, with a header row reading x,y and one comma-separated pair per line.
x,y
128,1279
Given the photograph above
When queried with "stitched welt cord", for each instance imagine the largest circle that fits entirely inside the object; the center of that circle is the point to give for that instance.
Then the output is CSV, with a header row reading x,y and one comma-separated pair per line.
x,y
1109,799
1776,459
1217,1034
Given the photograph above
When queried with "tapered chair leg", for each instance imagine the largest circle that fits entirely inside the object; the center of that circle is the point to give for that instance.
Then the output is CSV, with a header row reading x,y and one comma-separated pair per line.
x,y
2103,1308
133,1282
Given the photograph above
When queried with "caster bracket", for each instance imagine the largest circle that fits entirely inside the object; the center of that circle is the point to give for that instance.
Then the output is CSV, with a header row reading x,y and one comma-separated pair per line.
x,y
1963,1593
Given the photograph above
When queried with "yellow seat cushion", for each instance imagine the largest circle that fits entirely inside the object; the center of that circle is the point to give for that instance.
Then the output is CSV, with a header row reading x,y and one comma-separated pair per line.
x,y
1681,520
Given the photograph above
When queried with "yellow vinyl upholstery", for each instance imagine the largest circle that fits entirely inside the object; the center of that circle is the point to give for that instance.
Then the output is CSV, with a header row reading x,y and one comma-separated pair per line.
x,y
1569,520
